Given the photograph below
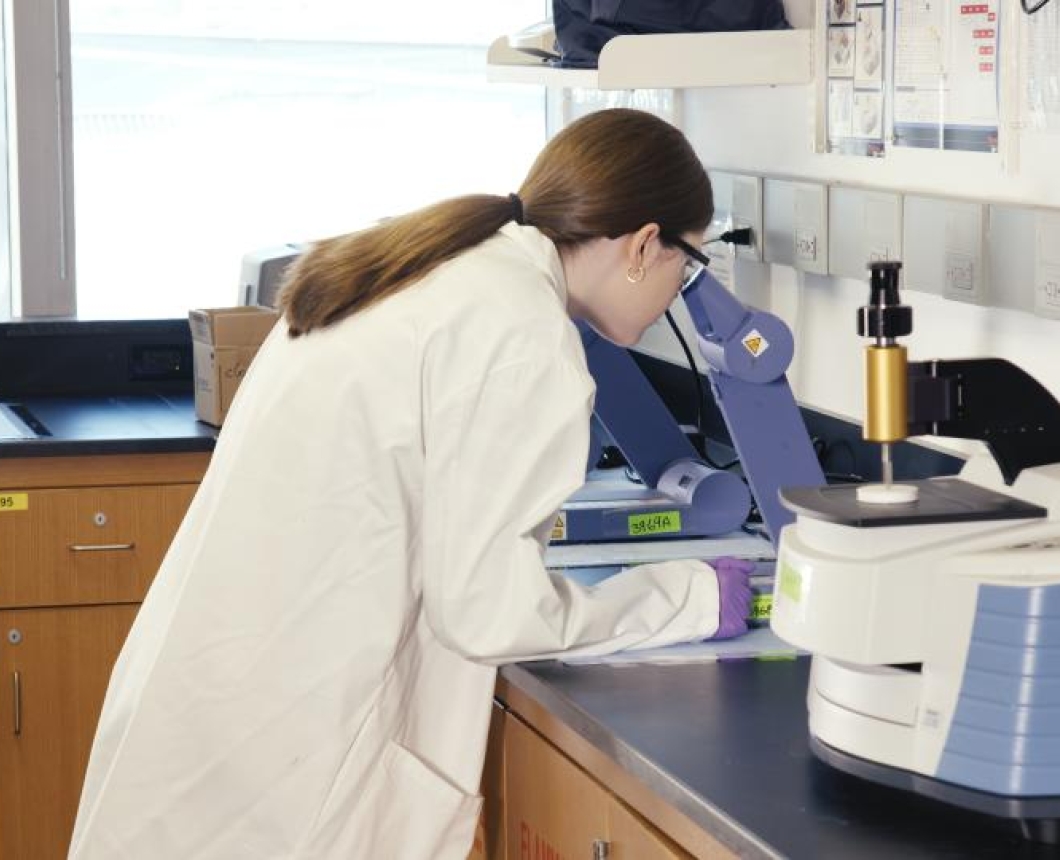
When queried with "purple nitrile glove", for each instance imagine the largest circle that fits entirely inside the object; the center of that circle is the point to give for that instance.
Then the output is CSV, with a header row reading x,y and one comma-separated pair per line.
x,y
734,595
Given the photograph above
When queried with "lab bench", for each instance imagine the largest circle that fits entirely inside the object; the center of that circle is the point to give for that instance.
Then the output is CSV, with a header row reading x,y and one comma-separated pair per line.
x,y
641,761
81,426
714,758
100,456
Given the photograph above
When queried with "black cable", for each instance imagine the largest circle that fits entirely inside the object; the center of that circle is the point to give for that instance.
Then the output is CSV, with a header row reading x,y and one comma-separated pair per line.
x,y
1037,7
691,366
740,235
699,395
845,478
825,452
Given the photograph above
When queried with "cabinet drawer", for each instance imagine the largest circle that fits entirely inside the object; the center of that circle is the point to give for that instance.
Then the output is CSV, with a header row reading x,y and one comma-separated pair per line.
x,y
552,808
89,545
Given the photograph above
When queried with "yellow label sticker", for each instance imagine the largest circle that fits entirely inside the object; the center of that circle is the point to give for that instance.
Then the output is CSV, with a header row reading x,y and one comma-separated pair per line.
x,y
754,342
14,502
761,607
790,582
656,523
559,527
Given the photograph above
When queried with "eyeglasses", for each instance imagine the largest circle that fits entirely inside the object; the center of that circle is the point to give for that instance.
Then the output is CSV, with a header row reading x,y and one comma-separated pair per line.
x,y
697,261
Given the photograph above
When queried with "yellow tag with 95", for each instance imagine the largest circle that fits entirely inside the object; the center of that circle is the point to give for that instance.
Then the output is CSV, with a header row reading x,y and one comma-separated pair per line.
x,y
655,523
14,502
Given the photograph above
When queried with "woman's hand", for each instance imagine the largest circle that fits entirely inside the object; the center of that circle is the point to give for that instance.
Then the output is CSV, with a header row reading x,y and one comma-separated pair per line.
x,y
734,595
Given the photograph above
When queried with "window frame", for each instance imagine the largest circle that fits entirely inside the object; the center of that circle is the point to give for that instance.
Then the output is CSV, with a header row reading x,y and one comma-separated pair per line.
x,y
38,250
40,160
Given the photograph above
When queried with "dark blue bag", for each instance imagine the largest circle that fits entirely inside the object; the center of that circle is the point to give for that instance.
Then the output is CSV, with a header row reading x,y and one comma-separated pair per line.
x,y
583,27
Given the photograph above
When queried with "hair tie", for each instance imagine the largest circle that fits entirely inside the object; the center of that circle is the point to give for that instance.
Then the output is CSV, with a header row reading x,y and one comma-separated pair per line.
x,y
517,208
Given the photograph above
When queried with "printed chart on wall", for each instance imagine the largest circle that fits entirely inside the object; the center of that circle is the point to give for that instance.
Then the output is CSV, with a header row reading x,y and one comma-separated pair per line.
x,y
856,63
1041,53
946,74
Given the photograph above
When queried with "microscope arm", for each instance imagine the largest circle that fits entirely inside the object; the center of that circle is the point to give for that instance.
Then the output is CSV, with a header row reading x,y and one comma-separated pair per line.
x,y
635,417
748,352
989,399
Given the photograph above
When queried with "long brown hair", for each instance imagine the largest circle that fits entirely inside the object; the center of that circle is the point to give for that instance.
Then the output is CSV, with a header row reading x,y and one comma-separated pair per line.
x,y
606,174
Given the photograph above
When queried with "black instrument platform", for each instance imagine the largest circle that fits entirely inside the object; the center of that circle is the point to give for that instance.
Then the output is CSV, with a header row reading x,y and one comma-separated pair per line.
x,y
941,500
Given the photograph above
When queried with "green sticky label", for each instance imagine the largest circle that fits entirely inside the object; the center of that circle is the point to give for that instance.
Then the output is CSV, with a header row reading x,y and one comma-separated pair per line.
x,y
655,523
790,582
761,607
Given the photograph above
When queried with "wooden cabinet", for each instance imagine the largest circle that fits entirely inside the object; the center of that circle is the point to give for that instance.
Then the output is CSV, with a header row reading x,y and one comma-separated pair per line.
x,y
553,810
87,545
56,663
630,838
80,541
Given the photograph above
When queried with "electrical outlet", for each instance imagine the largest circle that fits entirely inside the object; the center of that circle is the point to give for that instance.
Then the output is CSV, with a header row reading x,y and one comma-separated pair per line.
x,y
805,246
747,212
862,226
810,233
946,246
964,273
1047,265
796,225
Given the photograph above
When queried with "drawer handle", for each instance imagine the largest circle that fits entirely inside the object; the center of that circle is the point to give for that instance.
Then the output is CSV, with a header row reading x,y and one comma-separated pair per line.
x,y
100,547
16,684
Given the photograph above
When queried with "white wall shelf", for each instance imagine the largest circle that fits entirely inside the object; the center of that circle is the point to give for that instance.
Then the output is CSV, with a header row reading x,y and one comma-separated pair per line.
x,y
671,61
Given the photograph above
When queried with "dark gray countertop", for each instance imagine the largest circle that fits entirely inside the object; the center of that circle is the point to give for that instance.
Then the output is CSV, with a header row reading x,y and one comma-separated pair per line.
x,y
75,387
726,744
130,424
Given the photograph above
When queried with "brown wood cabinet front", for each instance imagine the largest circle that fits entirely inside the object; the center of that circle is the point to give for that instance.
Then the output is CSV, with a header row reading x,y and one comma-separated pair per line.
x,y
555,811
81,538
54,665
87,545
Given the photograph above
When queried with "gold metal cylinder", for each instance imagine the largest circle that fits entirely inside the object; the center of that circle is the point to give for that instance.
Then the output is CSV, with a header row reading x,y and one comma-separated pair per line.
x,y
886,382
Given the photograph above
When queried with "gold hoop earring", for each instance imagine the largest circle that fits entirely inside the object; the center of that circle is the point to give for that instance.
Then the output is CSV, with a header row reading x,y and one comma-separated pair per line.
x,y
635,276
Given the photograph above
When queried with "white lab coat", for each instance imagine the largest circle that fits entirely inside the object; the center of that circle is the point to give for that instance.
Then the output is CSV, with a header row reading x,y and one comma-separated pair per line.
x,y
311,673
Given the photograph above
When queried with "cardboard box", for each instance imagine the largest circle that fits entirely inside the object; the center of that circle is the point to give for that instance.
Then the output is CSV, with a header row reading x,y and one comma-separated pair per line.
x,y
224,342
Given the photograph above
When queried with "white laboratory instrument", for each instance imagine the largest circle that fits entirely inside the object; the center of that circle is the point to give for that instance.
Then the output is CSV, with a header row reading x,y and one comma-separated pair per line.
x,y
934,617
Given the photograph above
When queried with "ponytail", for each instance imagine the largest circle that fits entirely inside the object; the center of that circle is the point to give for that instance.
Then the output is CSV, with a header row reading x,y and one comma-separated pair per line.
x,y
340,276
607,174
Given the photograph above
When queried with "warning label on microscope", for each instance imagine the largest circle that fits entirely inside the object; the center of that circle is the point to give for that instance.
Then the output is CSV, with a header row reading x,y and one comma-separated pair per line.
x,y
754,342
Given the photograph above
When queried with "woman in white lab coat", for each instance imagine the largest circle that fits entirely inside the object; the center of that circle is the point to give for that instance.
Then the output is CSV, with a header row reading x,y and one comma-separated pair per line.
x,y
311,673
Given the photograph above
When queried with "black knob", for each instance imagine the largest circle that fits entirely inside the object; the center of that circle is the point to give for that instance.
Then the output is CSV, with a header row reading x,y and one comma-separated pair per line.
x,y
884,316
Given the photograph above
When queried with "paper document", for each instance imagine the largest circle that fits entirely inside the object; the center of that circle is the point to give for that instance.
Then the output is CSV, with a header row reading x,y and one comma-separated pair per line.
x,y
760,643
738,544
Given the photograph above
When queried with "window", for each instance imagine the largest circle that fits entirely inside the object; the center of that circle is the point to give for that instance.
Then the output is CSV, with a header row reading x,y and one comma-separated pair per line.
x,y
203,129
